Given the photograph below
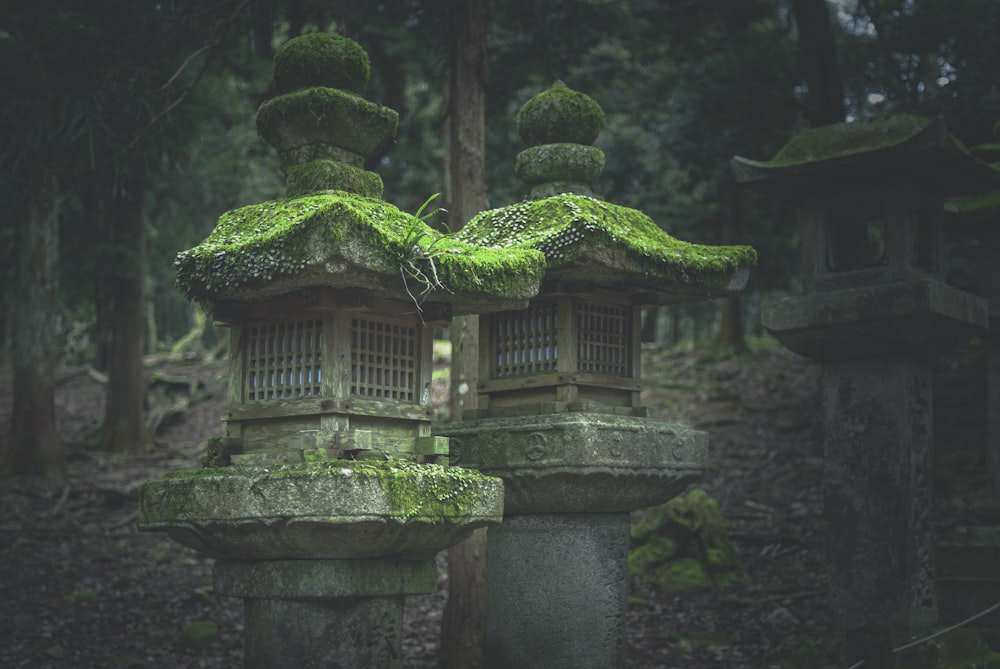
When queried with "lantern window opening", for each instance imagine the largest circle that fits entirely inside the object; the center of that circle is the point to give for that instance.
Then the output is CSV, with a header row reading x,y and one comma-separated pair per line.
x,y
526,340
603,338
855,239
284,360
384,356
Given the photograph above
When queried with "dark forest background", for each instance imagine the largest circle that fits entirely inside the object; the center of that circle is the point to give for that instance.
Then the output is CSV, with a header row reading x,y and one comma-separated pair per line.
x,y
128,127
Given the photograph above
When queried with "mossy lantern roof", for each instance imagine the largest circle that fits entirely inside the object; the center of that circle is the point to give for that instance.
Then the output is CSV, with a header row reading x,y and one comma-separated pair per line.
x,y
590,242
860,153
334,230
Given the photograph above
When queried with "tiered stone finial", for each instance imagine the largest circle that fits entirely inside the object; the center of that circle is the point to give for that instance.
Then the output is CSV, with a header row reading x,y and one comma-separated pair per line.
x,y
559,125
320,125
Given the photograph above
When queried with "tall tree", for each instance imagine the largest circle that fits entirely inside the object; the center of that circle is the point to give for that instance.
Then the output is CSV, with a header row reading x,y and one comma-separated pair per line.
x,y
825,100
464,622
34,447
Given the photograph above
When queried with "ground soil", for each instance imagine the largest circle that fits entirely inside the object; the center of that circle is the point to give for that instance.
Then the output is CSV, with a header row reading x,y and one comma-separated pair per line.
x,y
81,587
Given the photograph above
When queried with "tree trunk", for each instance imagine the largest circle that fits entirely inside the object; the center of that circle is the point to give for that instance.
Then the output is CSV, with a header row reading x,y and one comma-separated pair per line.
x,y
463,624
124,429
730,335
34,448
819,62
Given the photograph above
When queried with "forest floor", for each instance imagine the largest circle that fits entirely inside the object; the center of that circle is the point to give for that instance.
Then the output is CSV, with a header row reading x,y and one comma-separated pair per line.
x,y
81,587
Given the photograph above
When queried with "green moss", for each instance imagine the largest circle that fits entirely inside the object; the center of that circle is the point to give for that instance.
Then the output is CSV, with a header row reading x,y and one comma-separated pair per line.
x,y
320,175
682,545
558,115
325,116
252,246
566,226
559,162
321,59
845,139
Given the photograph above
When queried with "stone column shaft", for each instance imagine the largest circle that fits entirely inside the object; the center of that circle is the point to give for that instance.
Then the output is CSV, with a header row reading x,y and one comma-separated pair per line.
x,y
557,586
877,491
323,614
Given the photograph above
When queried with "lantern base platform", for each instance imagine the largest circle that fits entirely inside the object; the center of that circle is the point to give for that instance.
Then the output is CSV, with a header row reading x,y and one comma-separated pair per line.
x,y
580,462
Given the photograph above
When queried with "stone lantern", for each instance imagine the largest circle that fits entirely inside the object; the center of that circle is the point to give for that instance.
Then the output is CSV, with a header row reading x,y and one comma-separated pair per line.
x,y
335,498
560,418
875,311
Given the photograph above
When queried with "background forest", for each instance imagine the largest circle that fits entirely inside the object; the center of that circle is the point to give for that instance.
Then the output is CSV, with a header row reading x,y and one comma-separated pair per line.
x,y
128,127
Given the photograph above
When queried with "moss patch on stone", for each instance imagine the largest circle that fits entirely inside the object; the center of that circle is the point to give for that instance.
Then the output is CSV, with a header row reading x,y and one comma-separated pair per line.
x,y
321,59
682,545
844,139
558,115
252,246
567,226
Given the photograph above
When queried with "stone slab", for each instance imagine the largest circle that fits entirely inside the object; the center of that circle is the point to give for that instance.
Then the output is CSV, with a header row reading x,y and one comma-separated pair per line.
x,y
920,319
580,462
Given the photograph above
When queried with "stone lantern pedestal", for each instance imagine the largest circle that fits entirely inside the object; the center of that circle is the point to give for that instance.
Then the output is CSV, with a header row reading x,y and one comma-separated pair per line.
x,y
875,312
557,566
560,418
322,554
328,498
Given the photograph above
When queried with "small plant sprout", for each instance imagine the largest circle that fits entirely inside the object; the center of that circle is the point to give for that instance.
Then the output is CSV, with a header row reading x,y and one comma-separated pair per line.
x,y
419,251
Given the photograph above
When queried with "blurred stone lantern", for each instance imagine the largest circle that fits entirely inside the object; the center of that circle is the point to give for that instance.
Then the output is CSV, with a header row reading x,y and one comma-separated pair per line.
x,y
335,501
875,311
559,417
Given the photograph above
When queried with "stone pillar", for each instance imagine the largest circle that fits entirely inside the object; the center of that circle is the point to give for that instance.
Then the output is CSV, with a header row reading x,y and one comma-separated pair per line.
x,y
877,488
323,613
557,591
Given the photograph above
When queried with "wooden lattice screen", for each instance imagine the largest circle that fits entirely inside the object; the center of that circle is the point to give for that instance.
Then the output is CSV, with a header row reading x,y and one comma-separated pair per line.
x,y
603,338
283,360
526,341
384,359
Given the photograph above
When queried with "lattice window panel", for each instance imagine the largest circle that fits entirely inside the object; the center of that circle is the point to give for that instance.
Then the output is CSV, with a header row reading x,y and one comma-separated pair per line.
x,y
384,357
526,341
283,360
603,339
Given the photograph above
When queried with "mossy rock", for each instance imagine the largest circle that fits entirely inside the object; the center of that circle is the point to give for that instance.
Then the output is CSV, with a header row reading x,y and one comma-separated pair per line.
x,y
558,115
321,59
682,545
559,162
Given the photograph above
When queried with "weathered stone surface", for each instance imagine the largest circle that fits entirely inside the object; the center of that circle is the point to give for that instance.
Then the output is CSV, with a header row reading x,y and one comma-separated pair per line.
x,y
560,114
557,587
555,162
321,59
920,319
339,509
580,462
334,633
285,579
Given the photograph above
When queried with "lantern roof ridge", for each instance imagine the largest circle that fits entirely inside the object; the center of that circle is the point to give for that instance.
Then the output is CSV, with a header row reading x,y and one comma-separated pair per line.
x,y
852,152
333,230
586,239
343,240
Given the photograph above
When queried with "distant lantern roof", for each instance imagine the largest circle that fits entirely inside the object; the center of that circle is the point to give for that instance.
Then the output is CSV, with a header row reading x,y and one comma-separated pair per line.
x,y
333,229
845,155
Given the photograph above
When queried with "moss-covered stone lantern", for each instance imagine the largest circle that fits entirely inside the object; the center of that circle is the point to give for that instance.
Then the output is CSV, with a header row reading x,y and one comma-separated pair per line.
x,y
331,294
559,417
875,311
576,347
328,498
